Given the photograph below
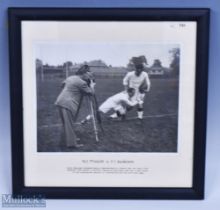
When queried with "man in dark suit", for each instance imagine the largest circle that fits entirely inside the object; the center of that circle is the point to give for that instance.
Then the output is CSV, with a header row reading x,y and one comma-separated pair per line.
x,y
69,100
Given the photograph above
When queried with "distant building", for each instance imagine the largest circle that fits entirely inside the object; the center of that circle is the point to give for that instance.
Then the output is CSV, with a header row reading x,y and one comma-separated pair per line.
x,y
101,70
158,71
98,63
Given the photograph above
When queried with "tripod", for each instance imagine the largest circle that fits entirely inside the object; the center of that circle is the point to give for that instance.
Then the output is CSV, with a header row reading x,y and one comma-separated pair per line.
x,y
94,119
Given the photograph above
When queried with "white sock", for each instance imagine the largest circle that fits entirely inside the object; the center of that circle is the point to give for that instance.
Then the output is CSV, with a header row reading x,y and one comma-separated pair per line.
x,y
140,114
114,115
88,117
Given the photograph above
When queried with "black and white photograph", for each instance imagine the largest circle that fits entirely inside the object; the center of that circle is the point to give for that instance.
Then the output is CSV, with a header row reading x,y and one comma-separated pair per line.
x,y
109,103
107,97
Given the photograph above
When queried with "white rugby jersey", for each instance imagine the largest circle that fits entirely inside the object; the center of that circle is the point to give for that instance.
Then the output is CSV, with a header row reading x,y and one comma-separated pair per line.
x,y
119,98
133,81
116,100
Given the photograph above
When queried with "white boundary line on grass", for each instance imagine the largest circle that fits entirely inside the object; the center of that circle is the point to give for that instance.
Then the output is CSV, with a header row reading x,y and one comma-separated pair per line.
x,y
130,118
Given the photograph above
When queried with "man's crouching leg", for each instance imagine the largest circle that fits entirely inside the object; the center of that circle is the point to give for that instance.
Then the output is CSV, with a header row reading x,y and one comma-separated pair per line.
x,y
119,113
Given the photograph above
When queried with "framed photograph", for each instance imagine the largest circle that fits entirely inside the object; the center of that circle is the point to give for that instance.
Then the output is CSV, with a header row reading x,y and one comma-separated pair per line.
x,y
108,103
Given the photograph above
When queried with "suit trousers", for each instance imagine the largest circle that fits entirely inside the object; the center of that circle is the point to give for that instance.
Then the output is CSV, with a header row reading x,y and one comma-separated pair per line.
x,y
68,120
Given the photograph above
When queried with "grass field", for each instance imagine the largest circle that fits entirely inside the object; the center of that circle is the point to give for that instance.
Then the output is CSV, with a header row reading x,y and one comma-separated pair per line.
x,y
157,133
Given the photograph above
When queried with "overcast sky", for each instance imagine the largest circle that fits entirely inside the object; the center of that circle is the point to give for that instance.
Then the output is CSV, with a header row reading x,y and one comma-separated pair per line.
x,y
114,54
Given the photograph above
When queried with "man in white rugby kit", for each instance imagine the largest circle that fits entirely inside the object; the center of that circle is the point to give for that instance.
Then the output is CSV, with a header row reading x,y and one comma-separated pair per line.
x,y
139,80
119,103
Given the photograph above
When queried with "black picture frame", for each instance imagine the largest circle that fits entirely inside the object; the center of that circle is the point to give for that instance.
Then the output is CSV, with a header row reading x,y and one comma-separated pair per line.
x,y
200,15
